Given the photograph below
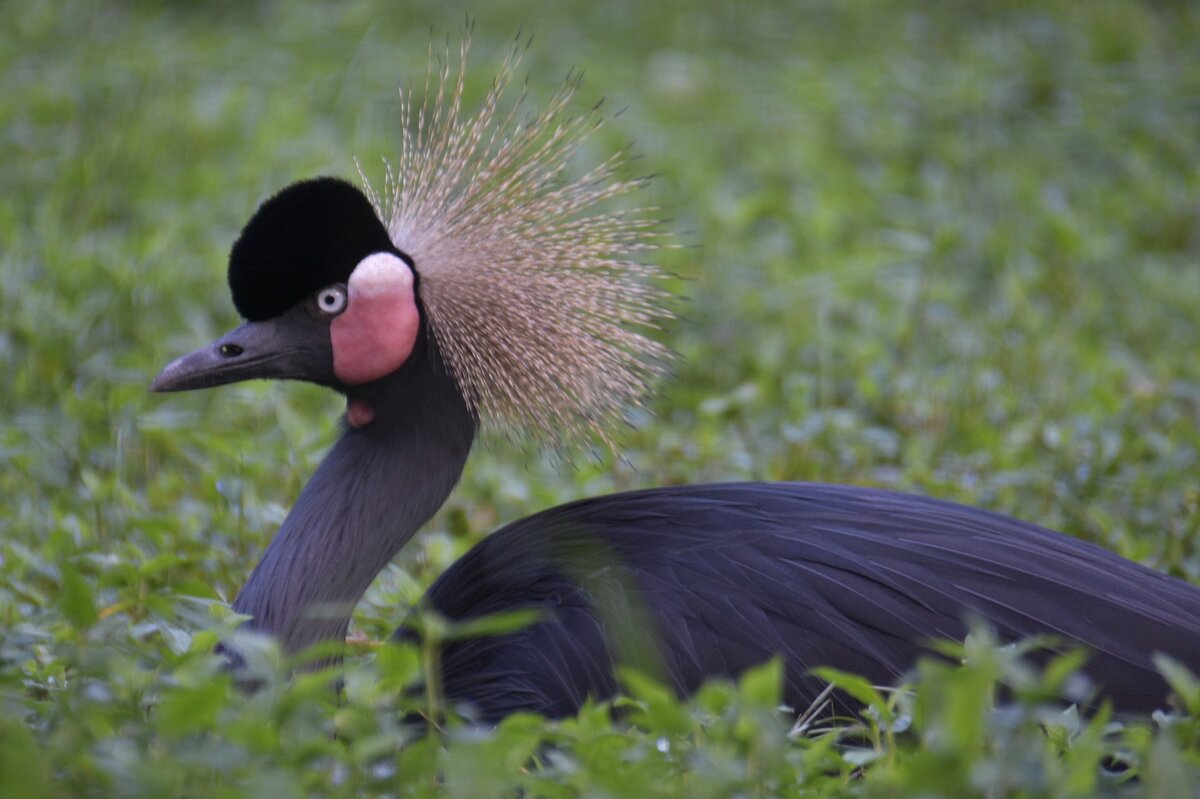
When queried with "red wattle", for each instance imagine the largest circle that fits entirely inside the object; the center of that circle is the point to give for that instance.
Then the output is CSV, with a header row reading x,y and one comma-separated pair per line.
x,y
359,413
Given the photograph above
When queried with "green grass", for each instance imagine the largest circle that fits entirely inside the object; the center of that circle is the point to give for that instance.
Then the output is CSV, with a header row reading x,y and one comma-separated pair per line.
x,y
950,248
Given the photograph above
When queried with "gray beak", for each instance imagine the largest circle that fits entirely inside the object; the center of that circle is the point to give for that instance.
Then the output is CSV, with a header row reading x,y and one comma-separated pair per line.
x,y
291,346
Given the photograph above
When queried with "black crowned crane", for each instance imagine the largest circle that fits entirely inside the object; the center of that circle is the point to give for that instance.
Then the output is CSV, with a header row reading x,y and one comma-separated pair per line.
x,y
482,287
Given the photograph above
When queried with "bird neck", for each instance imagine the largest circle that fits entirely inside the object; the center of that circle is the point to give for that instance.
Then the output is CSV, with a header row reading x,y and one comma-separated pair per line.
x,y
372,492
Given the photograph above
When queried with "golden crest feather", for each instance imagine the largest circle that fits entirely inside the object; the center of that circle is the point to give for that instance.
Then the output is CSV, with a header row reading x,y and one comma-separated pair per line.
x,y
533,293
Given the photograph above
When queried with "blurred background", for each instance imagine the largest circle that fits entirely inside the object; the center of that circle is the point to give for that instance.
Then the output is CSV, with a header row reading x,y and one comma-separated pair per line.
x,y
947,248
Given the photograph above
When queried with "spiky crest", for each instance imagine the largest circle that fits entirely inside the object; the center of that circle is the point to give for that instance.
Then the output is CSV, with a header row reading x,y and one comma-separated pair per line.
x,y
532,292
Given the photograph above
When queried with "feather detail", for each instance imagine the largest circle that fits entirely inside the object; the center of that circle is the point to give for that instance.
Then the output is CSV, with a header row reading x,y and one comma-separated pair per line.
x,y
532,291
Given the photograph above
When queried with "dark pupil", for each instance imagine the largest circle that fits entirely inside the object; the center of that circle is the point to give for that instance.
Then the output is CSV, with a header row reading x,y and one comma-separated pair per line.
x,y
329,299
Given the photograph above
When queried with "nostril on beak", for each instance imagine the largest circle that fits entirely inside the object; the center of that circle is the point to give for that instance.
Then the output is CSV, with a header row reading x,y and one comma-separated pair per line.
x,y
230,350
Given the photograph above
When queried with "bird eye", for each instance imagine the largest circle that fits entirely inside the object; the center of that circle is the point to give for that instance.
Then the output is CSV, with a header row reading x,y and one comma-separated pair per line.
x,y
331,300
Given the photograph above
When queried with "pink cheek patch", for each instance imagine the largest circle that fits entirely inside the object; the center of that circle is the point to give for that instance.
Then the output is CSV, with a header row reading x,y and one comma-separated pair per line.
x,y
376,333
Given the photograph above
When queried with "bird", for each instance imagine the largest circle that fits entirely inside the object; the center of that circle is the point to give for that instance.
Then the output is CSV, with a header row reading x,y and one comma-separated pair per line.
x,y
485,290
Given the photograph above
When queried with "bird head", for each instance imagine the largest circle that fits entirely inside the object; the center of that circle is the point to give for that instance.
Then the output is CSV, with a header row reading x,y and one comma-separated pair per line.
x,y
327,297
479,242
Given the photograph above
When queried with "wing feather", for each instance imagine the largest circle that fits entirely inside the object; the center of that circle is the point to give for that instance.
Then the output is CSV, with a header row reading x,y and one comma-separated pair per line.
x,y
717,578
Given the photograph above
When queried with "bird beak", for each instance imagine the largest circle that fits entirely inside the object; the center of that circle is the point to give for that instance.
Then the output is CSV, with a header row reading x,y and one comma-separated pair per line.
x,y
273,348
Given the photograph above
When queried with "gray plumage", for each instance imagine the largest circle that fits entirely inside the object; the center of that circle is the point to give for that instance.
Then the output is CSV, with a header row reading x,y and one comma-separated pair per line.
x,y
729,575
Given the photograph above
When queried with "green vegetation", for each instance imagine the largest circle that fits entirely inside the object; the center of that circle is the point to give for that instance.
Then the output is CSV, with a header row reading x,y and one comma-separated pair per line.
x,y
950,248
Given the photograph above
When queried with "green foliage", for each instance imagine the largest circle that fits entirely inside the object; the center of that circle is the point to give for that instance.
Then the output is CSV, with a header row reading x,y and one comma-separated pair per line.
x,y
950,248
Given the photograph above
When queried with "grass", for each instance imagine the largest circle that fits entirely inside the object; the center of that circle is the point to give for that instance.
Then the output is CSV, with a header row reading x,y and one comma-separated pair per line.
x,y
950,249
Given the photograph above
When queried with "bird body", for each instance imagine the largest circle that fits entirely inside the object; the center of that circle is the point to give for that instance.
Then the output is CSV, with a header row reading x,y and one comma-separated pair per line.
x,y
482,288
714,579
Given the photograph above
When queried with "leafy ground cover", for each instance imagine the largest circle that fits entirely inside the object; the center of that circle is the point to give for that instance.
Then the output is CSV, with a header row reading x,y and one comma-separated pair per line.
x,y
949,249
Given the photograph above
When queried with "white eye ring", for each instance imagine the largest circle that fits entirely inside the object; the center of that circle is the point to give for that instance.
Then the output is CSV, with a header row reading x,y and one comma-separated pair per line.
x,y
331,300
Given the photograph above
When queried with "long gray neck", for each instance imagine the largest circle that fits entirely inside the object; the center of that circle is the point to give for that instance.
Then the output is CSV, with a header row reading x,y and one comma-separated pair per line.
x,y
373,491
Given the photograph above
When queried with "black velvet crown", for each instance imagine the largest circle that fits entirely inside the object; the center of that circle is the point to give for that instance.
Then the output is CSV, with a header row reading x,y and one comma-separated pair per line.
x,y
309,235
